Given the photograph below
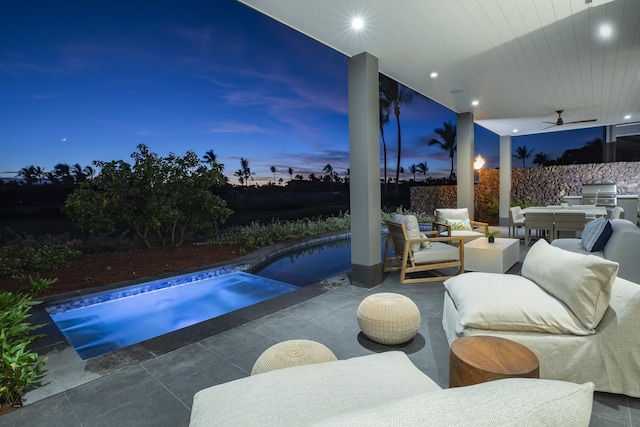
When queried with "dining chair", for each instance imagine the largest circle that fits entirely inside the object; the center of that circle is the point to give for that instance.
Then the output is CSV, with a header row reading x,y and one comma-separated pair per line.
x,y
568,221
542,222
516,220
617,213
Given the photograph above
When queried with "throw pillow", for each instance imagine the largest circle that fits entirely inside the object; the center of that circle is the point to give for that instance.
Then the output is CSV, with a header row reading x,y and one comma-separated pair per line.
x,y
412,227
582,282
424,245
596,234
460,224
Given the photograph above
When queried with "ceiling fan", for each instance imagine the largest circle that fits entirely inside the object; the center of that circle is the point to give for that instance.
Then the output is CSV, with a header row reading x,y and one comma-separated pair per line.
x,y
561,122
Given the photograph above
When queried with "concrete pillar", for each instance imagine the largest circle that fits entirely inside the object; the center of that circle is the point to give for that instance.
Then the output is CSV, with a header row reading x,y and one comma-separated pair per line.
x,y
505,179
464,164
364,177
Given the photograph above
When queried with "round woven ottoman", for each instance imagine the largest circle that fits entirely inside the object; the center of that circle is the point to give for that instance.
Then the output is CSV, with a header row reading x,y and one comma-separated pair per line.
x,y
292,353
388,318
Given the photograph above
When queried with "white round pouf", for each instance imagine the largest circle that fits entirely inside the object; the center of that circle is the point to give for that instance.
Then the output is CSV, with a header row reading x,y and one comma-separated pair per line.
x,y
292,353
388,318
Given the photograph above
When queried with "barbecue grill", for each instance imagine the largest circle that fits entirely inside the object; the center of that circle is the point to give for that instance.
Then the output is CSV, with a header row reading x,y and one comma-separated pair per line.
x,y
603,194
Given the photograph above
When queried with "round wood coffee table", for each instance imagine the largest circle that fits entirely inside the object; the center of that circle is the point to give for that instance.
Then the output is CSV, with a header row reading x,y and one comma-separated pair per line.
x,y
480,358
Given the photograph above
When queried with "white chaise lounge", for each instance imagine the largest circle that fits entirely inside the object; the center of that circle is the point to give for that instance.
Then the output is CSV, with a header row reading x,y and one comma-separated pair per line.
x,y
570,309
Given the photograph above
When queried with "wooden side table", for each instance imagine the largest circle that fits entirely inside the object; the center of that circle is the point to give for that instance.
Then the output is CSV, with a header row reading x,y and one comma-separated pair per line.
x,y
480,358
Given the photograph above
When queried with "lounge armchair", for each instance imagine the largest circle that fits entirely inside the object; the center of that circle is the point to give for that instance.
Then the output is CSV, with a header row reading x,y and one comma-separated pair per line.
x,y
456,223
409,250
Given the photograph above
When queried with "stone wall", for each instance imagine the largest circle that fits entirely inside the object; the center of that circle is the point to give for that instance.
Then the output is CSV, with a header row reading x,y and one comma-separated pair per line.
x,y
536,185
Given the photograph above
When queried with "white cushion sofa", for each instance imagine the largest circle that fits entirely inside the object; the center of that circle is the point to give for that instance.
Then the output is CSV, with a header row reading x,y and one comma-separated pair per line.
x,y
622,247
570,309
386,389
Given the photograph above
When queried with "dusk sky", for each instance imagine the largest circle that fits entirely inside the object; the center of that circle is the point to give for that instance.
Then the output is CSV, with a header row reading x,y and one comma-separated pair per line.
x,y
85,81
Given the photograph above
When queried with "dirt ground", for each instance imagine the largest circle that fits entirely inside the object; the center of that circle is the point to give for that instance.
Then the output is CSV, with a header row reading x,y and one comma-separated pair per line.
x,y
97,270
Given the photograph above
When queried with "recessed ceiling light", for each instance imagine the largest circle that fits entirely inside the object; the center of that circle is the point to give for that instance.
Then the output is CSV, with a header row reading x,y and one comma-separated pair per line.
x,y
475,103
627,117
357,23
515,131
433,75
605,30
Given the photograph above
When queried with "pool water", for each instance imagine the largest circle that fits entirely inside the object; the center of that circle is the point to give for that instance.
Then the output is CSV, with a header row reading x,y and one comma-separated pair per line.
x,y
98,328
101,323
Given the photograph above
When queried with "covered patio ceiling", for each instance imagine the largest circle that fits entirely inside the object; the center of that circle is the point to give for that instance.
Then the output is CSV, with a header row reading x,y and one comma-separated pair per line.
x,y
521,60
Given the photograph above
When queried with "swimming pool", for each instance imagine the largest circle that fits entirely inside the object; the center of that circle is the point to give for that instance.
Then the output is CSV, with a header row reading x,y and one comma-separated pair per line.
x,y
108,321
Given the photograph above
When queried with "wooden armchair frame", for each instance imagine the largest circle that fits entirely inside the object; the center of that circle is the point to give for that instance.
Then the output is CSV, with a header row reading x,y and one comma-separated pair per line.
x,y
403,255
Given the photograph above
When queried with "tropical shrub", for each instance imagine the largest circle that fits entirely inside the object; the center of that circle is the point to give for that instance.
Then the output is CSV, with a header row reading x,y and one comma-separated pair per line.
x,y
30,256
20,369
157,197
258,235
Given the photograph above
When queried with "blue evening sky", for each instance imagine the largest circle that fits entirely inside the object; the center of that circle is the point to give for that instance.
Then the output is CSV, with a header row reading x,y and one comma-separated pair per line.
x,y
85,81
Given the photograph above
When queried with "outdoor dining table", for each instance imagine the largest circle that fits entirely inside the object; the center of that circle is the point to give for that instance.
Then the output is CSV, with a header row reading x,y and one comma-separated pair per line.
x,y
588,210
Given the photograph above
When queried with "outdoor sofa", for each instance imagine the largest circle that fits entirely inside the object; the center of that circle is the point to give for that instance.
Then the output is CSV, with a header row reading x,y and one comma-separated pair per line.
x,y
623,246
570,309
386,389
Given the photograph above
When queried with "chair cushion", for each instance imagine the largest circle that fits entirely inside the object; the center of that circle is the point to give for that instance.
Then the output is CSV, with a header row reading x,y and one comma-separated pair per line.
x,y
424,245
596,234
507,302
442,215
460,224
582,282
412,227
436,253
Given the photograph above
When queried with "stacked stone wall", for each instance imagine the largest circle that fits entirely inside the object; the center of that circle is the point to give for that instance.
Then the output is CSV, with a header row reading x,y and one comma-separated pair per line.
x,y
536,185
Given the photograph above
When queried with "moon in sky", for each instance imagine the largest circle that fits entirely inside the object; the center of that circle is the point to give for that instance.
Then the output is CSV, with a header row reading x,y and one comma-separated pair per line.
x,y
64,139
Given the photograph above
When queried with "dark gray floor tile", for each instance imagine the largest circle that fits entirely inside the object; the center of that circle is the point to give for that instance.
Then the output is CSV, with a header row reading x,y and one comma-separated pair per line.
x,y
634,408
158,409
185,361
235,341
54,411
598,420
613,407
219,373
112,391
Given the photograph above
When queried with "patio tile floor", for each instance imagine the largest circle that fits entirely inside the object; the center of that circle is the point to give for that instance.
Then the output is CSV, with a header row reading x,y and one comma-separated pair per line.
x,y
143,387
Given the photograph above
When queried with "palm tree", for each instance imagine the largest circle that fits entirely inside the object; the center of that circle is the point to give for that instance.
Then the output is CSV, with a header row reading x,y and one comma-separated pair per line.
x,y
290,173
273,171
78,174
246,171
61,173
396,95
540,159
423,168
240,176
89,172
328,169
448,134
522,153
384,119
413,169
210,157
29,174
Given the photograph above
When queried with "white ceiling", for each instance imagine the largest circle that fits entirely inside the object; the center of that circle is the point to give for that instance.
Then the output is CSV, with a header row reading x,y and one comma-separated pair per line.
x,y
522,60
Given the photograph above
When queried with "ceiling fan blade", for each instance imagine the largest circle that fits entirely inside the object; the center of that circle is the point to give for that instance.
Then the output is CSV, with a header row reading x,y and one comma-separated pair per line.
x,y
548,127
582,121
551,123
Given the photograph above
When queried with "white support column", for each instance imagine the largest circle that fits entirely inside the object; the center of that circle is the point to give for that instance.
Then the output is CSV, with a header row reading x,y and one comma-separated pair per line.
x,y
465,154
505,179
364,176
